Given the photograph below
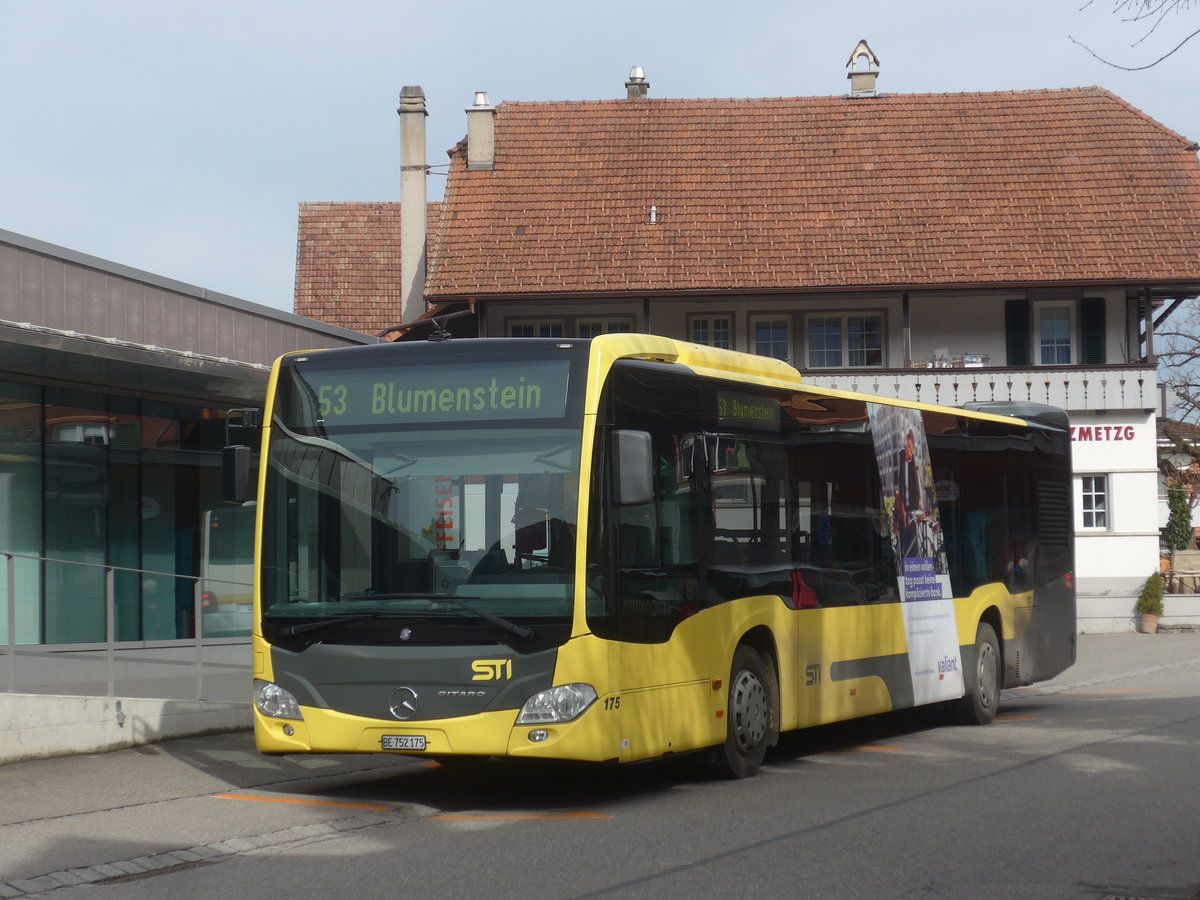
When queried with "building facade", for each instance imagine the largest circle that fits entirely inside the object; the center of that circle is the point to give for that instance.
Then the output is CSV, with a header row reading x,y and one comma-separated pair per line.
x,y
949,248
115,386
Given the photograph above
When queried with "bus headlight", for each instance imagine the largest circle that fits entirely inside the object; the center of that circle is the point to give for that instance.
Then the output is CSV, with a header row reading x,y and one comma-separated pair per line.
x,y
557,704
274,701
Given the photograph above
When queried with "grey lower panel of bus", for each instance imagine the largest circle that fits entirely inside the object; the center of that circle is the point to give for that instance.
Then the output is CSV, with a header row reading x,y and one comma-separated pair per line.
x,y
893,670
413,683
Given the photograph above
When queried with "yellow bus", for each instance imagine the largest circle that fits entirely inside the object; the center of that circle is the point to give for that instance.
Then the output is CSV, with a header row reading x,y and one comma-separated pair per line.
x,y
627,547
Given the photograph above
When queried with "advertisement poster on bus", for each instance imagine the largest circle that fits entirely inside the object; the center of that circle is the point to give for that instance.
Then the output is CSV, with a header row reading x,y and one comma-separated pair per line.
x,y
911,512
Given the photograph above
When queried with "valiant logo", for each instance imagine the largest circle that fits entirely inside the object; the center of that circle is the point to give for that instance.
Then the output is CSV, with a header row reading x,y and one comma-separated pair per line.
x,y
947,664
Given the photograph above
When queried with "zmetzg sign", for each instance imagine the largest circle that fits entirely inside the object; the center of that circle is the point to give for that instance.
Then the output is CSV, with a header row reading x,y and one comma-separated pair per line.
x,y
427,394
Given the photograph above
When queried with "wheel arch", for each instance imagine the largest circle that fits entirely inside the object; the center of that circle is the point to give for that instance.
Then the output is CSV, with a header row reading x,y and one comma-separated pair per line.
x,y
762,640
991,615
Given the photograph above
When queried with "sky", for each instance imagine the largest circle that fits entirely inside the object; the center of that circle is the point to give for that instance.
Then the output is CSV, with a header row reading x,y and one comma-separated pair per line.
x,y
179,137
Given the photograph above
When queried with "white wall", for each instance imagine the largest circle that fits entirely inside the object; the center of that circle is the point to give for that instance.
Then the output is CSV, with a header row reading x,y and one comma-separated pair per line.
x,y
1122,446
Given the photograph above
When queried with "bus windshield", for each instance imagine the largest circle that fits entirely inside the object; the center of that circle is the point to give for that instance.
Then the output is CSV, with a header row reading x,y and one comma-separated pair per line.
x,y
372,517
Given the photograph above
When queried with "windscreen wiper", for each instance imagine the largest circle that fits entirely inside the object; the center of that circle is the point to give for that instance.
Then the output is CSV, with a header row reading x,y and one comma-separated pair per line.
x,y
513,628
339,619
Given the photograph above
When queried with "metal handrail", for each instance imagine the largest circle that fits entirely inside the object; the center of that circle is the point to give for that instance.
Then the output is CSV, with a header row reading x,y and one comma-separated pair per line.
x,y
110,641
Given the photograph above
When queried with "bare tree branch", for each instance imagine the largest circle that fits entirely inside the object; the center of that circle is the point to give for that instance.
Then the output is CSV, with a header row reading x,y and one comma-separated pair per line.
x,y
1153,11
1136,68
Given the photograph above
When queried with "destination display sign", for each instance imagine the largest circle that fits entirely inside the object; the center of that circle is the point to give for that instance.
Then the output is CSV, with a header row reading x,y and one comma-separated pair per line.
x,y
528,389
748,411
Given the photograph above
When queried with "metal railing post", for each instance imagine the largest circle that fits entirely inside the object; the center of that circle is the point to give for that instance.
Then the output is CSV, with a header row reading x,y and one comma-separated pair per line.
x,y
197,618
11,613
110,628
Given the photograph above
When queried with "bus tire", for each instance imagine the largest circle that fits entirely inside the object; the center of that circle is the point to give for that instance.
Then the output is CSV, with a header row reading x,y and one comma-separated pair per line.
x,y
747,716
982,680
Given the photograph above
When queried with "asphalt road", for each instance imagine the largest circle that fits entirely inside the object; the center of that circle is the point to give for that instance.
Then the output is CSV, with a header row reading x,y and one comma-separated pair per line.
x,y
1085,787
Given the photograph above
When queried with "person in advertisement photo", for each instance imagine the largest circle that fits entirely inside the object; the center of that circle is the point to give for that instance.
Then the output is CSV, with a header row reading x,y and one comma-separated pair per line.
x,y
910,505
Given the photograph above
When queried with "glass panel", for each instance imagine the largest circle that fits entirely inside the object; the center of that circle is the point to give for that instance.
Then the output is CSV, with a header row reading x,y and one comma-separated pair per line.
x,y
1054,329
824,342
864,335
125,515
391,511
771,338
1095,501
721,333
77,433
21,506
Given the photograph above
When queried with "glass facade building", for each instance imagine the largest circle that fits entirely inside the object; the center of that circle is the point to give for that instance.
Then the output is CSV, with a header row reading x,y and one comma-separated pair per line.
x,y
93,484
122,570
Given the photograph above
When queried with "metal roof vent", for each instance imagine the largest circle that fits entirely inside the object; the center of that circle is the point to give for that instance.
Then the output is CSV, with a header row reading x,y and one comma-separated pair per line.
x,y
864,69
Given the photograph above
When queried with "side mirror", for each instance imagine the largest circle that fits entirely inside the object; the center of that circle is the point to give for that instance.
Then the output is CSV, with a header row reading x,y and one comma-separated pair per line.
x,y
235,473
634,472
243,425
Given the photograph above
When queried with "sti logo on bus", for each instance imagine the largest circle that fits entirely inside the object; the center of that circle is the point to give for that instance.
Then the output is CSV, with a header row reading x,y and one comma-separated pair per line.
x,y
491,669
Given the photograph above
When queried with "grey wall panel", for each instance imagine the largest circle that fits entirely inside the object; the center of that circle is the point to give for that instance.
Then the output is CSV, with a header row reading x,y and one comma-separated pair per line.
x,y
74,281
54,296
10,283
94,297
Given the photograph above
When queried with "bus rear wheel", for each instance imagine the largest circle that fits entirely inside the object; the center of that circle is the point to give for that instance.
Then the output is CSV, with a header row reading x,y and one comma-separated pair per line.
x,y
748,714
982,680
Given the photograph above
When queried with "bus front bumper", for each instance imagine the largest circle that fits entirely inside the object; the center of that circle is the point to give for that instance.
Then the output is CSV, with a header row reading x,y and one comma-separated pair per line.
x,y
485,734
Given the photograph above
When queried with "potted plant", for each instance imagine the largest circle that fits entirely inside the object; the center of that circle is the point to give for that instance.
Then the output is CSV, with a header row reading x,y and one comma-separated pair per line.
x,y
1150,604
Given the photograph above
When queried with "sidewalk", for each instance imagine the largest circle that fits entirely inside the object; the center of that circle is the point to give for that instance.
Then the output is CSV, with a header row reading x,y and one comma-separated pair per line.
x,y
36,726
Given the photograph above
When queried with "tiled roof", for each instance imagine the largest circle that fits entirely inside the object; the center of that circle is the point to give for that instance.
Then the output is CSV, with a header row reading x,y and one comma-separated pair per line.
x,y
348,263
820,193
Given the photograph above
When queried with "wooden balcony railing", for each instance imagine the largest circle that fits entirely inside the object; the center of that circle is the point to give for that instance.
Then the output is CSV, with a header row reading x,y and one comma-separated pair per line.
x,y
1096,387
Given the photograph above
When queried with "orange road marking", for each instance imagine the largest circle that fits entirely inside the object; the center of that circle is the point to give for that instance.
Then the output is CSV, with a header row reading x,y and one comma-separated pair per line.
x,y
865,748
584,814
301,802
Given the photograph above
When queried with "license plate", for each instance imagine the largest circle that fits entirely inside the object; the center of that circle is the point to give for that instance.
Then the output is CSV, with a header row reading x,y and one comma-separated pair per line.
x,y
404,742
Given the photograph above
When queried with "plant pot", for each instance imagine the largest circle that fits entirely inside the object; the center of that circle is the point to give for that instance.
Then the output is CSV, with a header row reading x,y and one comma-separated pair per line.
x,y
1147,623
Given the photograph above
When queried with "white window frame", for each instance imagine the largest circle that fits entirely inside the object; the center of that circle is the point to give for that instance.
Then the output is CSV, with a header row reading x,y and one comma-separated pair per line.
x,y
605,325
539,326
844,318
752,337
1085,492
1042,306
708,320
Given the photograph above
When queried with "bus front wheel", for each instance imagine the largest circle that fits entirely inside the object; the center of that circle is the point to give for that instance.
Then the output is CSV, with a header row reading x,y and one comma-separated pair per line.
x,y
747,716
982,680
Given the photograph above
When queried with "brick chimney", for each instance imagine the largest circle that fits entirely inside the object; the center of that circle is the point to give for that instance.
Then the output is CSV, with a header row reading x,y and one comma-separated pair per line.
x,y
864,69
414,197
637,87
481,134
